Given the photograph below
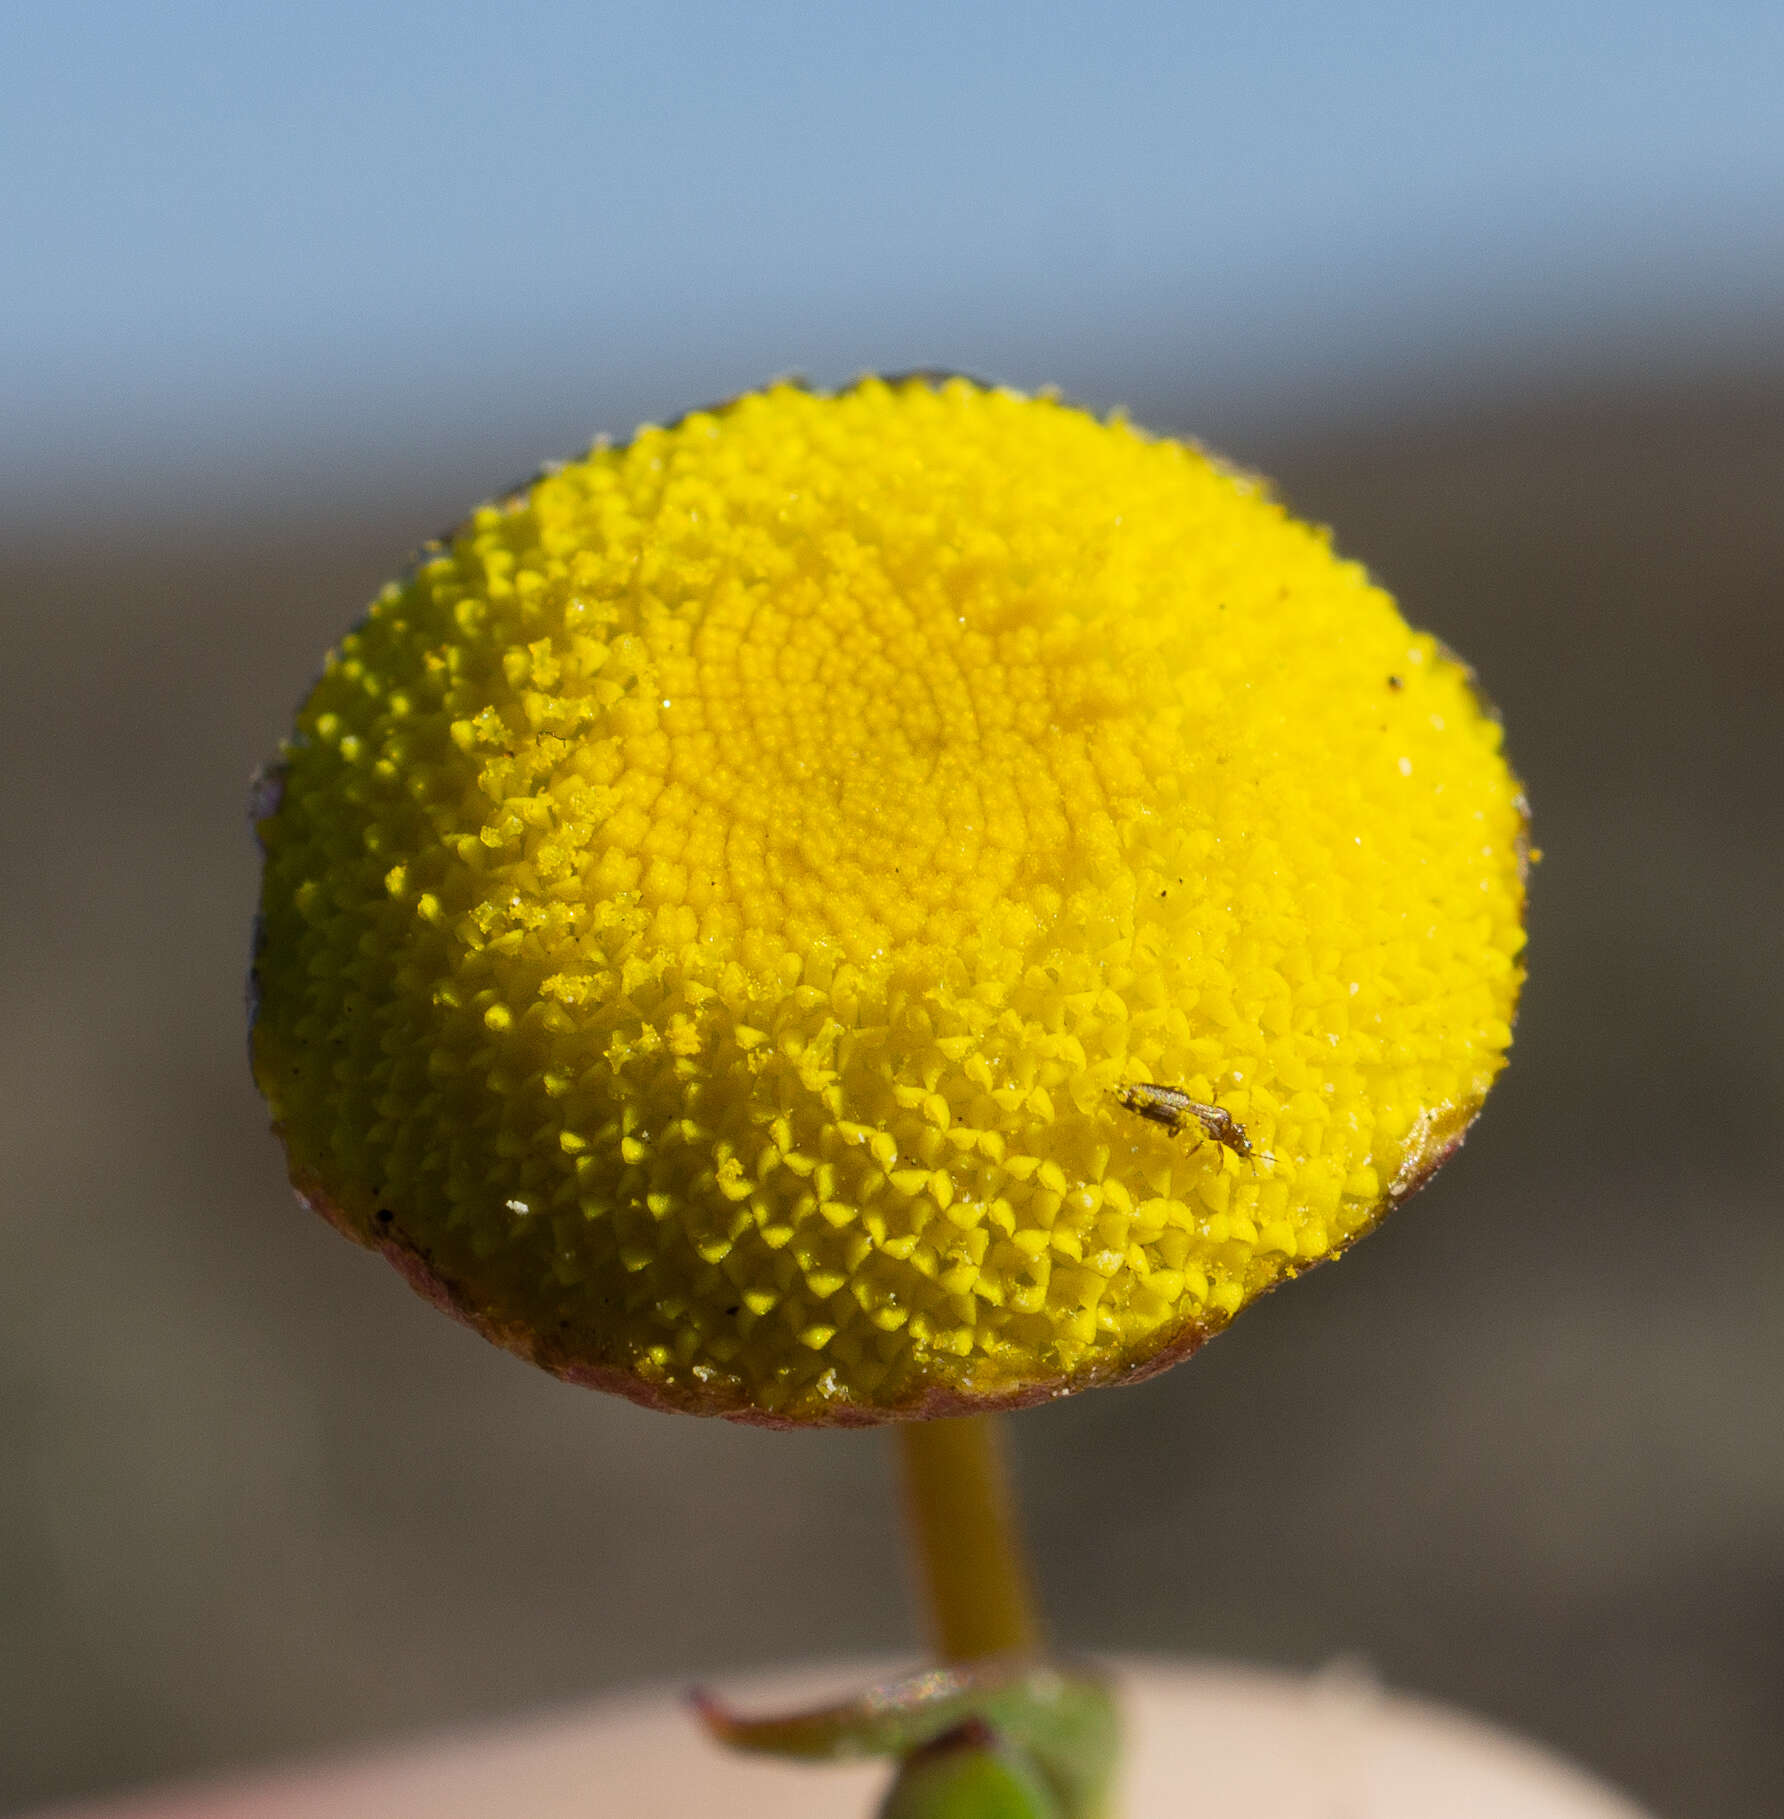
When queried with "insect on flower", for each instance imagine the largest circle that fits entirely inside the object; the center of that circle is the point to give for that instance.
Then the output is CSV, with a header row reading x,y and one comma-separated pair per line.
x,y
1176,1111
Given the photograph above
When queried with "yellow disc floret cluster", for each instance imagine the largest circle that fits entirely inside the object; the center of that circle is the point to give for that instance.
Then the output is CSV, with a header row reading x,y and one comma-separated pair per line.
x,y
714,904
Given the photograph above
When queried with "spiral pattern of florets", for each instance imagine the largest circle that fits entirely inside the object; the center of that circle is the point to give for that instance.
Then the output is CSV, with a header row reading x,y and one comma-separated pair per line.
x,y
713,903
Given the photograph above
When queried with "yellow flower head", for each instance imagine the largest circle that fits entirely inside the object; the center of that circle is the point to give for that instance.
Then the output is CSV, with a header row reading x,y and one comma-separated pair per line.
x,y
745,918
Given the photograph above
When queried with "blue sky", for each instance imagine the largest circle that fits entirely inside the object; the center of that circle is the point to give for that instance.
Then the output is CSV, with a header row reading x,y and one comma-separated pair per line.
x,y
270,242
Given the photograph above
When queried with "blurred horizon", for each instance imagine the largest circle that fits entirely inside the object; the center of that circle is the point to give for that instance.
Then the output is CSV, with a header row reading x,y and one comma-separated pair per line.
x,y
276,256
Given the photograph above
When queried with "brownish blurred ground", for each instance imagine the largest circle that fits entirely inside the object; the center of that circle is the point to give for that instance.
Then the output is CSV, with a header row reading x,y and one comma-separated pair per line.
x,y
1523,1450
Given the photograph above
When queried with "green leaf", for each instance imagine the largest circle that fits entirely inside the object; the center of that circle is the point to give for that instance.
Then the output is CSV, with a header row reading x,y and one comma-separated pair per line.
x,y
1042,1725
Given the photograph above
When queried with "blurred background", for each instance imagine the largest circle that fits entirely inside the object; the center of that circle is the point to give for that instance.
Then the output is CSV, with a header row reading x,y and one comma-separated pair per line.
x,y
1498,293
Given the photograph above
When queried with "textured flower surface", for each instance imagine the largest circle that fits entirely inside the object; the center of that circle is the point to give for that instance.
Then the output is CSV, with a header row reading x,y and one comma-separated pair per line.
x,y
713,904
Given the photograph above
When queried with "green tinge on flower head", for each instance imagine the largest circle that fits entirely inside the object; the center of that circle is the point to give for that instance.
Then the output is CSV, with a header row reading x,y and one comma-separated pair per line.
x,y
715,902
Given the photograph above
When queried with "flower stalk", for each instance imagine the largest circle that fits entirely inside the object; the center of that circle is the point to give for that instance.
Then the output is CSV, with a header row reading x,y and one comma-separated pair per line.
x,y
967,1539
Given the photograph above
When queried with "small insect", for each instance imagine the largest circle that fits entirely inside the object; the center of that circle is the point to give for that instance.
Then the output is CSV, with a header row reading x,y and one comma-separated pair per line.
x,y
1176,1111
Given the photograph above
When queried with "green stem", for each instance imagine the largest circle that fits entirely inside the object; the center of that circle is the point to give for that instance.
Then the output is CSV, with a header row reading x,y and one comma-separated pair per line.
x,y
969,1550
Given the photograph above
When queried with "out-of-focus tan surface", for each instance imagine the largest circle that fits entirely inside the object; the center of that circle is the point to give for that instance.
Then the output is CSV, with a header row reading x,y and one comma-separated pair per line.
x,y
1245,1741
1521,1450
